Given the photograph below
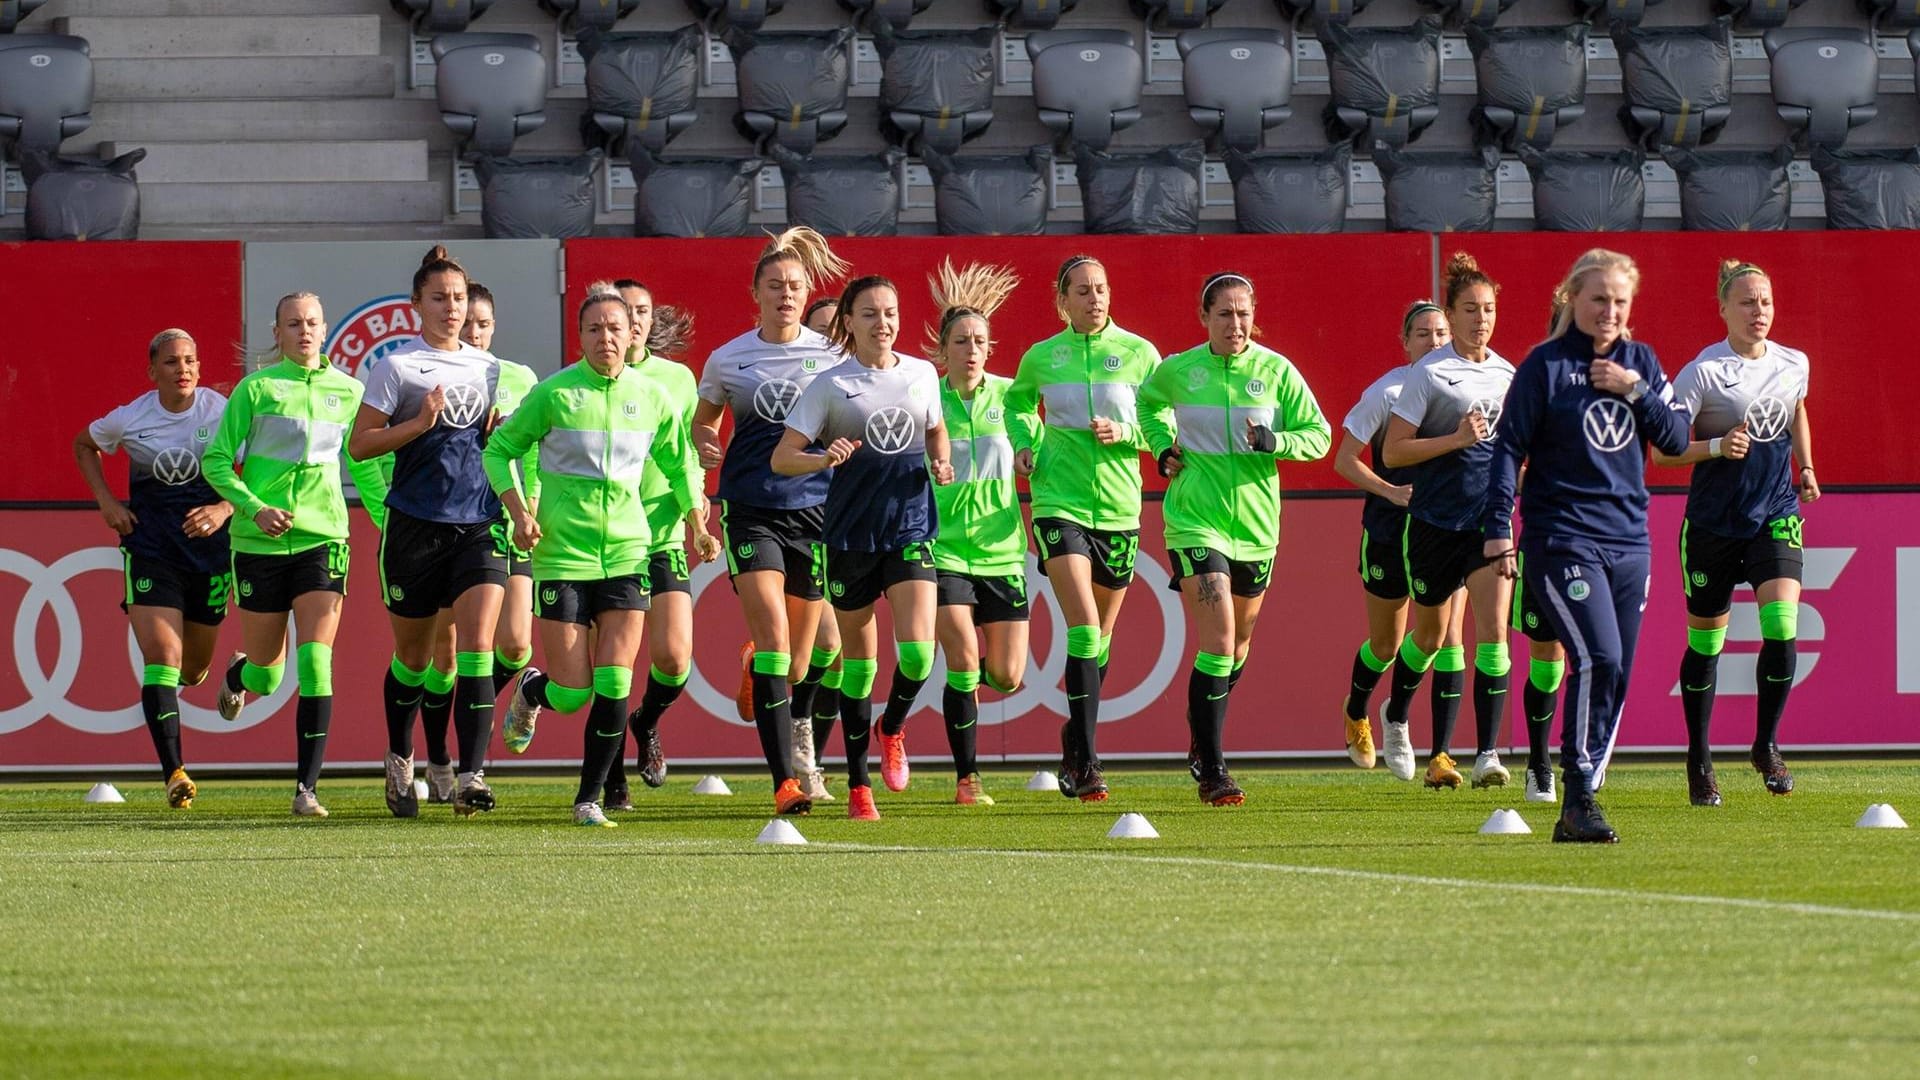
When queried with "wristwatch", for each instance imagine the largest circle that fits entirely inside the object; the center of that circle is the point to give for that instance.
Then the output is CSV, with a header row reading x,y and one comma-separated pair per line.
x,y
1639,391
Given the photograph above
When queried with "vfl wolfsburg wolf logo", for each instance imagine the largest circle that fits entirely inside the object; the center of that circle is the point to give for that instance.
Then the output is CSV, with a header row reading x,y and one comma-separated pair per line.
x,y
890,430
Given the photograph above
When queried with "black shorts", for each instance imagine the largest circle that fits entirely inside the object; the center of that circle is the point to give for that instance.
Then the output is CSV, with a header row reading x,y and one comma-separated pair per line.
x,y
1439,560
519,563
1711,565
783,540
198,596
581,602
1111,553
667,572
994,598
1383,565
426,565
1248,579
269,583
1529,617
856,579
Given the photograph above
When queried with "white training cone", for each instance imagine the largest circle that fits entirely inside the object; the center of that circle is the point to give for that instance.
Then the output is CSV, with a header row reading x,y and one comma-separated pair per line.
x,y
420,788
712,785
779,831
1505,823
105,793
1043,781
1881,816
1132,827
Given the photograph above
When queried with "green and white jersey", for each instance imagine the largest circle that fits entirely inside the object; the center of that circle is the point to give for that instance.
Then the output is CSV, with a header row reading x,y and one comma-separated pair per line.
x,y
286,426
980,529
595,435
516,381
1227,496
682,390
1078,378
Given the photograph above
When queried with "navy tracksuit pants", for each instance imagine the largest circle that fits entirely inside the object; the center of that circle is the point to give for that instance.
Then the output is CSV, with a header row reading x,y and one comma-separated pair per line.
x,y
1595,597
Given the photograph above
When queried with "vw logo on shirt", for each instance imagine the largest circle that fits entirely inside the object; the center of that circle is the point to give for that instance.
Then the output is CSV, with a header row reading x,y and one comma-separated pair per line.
x,y
773,399
1490,408
465,405
1609,426
176,465
890,430
1767,418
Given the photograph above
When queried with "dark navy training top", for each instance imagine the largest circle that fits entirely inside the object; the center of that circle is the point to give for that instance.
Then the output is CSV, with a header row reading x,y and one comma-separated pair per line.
x,y
881,498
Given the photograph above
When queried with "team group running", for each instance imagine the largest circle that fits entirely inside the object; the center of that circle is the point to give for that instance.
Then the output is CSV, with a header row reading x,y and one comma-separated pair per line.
x,y
857,472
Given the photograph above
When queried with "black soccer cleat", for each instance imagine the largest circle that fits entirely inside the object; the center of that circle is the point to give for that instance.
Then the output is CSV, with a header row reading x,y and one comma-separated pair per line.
x,y
1702,788
1581,822
1218,789
1772,770
618,798
1091,785
1069,776
653,760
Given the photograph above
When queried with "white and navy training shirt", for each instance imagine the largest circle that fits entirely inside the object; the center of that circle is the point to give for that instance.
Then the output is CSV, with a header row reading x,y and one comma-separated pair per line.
x,y
759,382
438,477
1719,390
165,480
882,497
1449,490
1367,422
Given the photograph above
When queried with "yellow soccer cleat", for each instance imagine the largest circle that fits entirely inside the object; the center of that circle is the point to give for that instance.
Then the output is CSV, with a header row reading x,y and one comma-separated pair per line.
x,y
1441,771
181,790
1360,742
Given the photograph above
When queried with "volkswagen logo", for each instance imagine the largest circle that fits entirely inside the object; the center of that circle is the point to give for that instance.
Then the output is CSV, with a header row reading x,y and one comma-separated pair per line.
x,y
1767,418
176,465
773,399
466,404
1610,428
1489,408
890,430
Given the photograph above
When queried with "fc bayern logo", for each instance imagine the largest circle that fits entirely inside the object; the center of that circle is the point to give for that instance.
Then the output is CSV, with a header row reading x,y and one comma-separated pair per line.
x,y
371,331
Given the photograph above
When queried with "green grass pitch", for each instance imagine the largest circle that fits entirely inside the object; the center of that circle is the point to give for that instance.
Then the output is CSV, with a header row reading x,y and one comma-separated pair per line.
x,y
1337,924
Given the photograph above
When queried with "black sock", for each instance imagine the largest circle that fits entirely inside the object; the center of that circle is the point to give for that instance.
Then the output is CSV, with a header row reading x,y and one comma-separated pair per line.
x,y
435,711
617,764
1233,680
1083,702
653,704
311,718
1775,668
1447,686
962,711
773,717
537,689
473,719
1697,677
234,685
826,710
1207,715
161,706
900,698
501,676
401,700
1406,682
805,690
1360,690
856,720
1538,704
605,734
1489,709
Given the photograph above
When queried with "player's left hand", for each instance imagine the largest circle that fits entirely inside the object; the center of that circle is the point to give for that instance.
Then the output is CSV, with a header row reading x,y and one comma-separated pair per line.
x,y
942,471
1499,555
1260,438
1809,487
706,547
1609,377
206,520
1108,431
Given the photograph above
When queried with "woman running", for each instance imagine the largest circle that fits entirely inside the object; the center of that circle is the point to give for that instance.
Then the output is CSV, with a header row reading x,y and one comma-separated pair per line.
x,y
1383,521
1083,459
1582,410
878,419
597,423
1441,429
1216,418
772,522
429,404
981,550
821,683
173,537
1747,397
289,529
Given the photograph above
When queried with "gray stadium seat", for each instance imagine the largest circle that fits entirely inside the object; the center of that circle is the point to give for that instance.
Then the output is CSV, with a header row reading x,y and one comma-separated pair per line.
x,y
492,88
1471,12
1238,82
1757,14
1870,189
1322,12
80,198
640,87
441,16
936,86
1157,192
1175,14
1291,191
741,14
1586,190
582,14
1439,190
46,90
693,197
1031,14
1384,82
1086,83
537,198
1532,80
1678,82
12,11
842,195
872,15
1618,12
1892,13
793,87
1824,81
1733,190
991,195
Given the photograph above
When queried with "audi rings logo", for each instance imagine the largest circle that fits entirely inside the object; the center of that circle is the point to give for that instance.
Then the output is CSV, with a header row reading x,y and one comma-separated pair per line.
x,y
51,681
890,430
773,399
1767,418
176,465
466,404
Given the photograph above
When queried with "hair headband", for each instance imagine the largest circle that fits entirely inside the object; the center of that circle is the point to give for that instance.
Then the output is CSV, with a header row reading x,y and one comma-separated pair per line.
x,y
1414,312
1745,268
1218,280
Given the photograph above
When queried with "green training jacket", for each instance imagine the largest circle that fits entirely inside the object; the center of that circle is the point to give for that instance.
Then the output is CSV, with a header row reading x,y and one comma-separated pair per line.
x,y
682,390
980,529
1081,377
286,425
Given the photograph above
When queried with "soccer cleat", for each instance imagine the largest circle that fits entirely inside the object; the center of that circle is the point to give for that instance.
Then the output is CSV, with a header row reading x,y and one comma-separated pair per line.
x,y
860,804
894,770
306,803
1091,785
743,697
440,781
587,813
970,792
653,760
231,701
1702,788
1766,762
816,785
400,797
472,795
802,761
789,799
619,798
181,790
522,713
1581,822
1398,750
1218,789
1360,742
1540,784
1488,772
1069,775
1442,772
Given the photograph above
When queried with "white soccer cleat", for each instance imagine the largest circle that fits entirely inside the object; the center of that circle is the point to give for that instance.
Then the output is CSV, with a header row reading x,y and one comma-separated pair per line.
x,y
1488,772
590,815
1397,750
440,779
306,803
815,783
801,761
1540,784
401,800
231,701
522,713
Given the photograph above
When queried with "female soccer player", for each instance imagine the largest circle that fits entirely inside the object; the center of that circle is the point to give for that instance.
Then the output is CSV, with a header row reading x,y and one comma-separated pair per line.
x,y
878,417
1383,519
173,536
429,405
1582,410
1083,459
821,683
1747,397
981,550
289,530
1216,418
1440,431
597,423
772,522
